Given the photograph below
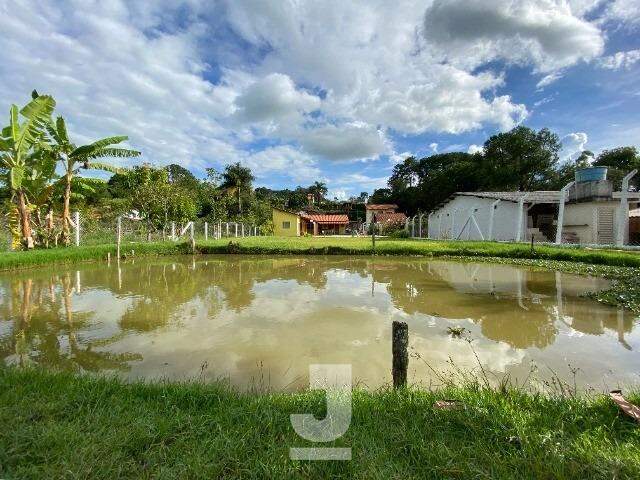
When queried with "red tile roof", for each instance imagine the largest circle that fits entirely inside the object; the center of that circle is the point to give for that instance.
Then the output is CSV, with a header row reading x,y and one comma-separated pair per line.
x,y
395,218
324,218
381,206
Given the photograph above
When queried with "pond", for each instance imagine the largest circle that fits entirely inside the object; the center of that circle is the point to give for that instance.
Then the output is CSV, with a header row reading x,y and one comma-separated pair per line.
x,y
259,322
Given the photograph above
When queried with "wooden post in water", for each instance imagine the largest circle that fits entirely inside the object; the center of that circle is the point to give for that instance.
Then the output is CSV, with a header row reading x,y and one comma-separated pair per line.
x,y
373,234
119,229
399,344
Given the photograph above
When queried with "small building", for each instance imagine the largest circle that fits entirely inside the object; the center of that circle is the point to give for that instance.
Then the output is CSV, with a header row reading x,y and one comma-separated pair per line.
x,y
379,209
292,224
590,214
285,223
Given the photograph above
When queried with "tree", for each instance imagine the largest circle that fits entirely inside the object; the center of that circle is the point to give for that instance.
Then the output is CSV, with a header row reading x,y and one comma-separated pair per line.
x,y
318,190
620,161
521,159
156,200
73,158
382,195
621,158
237,179
18,143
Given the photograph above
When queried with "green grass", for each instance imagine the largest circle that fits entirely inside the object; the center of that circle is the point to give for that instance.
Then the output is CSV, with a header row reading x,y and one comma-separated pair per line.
x,y
57,425
328,246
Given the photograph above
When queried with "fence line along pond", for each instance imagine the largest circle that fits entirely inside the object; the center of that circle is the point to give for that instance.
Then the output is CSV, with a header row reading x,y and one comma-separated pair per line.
x,y
260,322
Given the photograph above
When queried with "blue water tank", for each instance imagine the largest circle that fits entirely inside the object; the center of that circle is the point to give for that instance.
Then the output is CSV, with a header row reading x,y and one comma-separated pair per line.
x,y
591,174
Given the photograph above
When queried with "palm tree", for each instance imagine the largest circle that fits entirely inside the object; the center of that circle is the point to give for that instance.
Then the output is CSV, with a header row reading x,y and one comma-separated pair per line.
x,y
73,158
319,190
18,143
237,178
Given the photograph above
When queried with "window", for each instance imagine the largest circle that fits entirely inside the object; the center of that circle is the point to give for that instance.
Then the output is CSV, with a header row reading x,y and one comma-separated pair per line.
x,y
286,225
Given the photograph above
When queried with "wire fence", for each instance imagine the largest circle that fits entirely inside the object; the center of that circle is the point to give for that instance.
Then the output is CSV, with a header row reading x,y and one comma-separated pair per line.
x,y
95,230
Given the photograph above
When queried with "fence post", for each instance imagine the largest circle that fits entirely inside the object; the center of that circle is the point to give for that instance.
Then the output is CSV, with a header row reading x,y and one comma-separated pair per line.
x,y
520,226
193,239
623,214
400,362
242,225
206,230
119,229
563,195
77,218
492,213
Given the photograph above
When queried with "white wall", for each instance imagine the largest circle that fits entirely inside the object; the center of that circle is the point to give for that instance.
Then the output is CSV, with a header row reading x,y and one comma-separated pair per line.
x,y
458,210
577,215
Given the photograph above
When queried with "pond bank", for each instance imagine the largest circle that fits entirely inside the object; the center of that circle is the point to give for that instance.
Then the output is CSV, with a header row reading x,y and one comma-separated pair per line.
x,y
59,425
620,266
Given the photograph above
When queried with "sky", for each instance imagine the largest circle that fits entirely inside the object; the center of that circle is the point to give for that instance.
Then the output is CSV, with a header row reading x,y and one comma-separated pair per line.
x,y
334,90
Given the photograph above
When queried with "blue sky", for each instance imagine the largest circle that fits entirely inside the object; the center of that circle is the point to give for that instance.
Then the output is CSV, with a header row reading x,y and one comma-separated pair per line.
x,y
336,91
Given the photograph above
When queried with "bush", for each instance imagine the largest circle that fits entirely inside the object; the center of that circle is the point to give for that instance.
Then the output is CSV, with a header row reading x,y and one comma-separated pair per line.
x,y
399,234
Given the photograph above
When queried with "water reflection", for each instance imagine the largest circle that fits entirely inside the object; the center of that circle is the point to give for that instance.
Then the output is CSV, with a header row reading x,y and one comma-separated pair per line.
x,y
264,320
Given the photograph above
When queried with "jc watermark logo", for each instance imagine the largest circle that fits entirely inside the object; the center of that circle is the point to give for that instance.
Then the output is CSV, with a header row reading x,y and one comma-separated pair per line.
x,y
335,380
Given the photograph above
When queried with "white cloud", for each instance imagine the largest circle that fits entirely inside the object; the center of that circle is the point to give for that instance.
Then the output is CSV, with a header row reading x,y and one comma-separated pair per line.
x,y
620,60
345,142
274,98
399,157
626,11
473,148
546,34
434,147
339,193
372,73
549,79
544,100
284,160
572,145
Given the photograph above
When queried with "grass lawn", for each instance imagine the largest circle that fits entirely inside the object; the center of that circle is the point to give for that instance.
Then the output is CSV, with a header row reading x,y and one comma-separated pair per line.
x,y
65,426
327,246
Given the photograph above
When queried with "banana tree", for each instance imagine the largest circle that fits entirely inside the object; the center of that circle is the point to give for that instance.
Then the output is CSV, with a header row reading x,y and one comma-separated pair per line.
x,y
17,143
73,158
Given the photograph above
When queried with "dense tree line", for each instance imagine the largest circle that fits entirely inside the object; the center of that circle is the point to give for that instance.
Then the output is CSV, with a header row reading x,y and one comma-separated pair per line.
x,y
521,159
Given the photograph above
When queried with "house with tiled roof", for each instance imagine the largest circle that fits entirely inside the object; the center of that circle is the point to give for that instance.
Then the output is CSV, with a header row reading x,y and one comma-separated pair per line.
x,y
291,224
384,213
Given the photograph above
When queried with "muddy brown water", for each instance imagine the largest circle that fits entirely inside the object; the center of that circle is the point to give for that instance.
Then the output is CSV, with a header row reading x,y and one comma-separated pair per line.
x,y
260,322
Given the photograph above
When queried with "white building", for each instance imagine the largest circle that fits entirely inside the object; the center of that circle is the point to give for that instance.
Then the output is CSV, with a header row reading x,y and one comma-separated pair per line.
x,y
591,214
